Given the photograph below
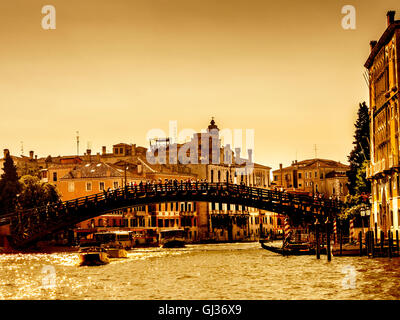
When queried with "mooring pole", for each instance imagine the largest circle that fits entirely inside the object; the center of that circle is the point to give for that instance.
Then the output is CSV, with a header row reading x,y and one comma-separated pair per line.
x,y
397,242
317,238
341,240
360,240
390,243
373,235
328,240
382,241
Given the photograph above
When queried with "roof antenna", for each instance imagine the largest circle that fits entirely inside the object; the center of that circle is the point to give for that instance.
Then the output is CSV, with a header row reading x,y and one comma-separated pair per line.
x,y
77,143
22,148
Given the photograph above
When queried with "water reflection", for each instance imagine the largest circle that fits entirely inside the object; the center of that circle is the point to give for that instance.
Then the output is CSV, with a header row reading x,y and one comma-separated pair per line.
x,y
216,271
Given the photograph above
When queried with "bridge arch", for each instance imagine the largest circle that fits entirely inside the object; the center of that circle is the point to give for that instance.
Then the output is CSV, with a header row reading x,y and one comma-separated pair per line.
x,y
29,226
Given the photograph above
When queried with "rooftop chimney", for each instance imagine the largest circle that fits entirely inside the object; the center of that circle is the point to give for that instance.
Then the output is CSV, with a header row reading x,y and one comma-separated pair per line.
x,y
237,153
6,151
103,150
390,17
372,44
31,154
250,155
88,151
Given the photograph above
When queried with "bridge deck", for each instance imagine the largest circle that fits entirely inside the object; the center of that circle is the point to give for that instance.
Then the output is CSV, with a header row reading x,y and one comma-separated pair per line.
x,y
31,225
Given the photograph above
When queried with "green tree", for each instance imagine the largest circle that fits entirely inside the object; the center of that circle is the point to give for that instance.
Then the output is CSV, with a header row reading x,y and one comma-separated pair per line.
x,y
35,193
360,153
9,186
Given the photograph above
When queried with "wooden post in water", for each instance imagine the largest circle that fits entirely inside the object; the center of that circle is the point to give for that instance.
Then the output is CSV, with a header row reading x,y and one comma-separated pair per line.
x,y
397,242
373,244
367,243
317,238
360,240
341,240
328,239
382,241
390,243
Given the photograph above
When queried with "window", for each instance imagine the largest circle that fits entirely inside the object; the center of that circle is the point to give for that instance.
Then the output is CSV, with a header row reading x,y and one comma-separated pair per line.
x,y
121,150
88,186
276,178
306,175
71,186
315,174
54,176
101,186
299,175
115,184
299,185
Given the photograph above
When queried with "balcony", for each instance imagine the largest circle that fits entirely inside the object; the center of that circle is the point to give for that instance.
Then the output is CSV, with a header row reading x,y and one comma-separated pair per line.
x,y
369,172
385,165
393,161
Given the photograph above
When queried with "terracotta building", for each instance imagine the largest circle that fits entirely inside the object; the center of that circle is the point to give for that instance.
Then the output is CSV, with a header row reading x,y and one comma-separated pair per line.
x,y
83,175
322,176
383,66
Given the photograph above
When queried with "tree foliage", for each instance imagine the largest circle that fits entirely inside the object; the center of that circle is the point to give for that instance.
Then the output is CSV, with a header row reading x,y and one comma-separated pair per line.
x,y
9,186
360,154
36,193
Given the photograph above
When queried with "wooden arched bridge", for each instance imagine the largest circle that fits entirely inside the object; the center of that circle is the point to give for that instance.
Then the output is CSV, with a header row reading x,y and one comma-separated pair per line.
x,y
31,225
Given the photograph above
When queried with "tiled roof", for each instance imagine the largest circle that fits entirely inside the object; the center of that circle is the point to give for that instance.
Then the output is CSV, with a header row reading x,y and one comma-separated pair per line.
x,y
95,170
382,41
315,163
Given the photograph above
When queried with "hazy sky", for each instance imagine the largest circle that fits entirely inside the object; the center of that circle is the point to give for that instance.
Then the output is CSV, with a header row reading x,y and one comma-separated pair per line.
x,y
115,69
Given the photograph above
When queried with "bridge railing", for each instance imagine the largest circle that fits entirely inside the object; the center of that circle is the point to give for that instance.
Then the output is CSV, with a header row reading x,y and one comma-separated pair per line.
x,y
152,189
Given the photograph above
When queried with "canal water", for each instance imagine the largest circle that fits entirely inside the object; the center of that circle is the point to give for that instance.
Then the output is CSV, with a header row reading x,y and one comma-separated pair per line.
x,y
212,271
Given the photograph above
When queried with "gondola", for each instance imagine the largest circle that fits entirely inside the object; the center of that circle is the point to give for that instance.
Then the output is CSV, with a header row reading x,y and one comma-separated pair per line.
x,y
292,249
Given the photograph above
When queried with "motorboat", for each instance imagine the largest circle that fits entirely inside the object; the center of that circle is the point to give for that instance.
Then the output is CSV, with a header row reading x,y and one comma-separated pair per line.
x,y
173,238
93,256
116,252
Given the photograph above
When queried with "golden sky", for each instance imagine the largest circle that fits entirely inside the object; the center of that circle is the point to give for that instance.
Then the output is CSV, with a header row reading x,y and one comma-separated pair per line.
x,y
113,70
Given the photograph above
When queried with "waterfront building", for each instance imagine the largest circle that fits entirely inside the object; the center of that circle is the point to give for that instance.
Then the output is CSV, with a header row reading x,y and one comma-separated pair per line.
x,y
83,175
314,176
383,68
220,221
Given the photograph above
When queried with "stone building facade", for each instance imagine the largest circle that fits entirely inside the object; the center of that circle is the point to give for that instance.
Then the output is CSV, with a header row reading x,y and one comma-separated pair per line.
x,y
383,65
83,175
315,176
